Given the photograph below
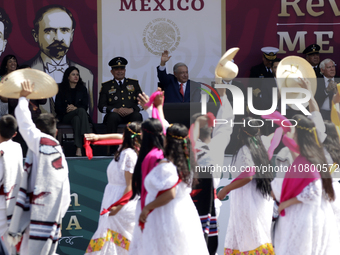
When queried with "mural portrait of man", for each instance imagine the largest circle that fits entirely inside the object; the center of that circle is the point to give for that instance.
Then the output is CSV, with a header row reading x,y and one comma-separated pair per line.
x,y
54,27
5,29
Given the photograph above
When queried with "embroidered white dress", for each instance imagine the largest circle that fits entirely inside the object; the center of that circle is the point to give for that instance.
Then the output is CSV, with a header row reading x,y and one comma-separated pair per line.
x,y
250,215
114,233
336,204
174,228
309,227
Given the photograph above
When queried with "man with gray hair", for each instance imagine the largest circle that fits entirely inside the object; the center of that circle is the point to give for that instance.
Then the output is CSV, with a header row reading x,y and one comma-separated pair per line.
x,y
177,87
326,87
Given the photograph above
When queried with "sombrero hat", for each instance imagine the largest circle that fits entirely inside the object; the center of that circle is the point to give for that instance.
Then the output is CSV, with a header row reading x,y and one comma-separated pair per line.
x,y
225,68
44,85
289,70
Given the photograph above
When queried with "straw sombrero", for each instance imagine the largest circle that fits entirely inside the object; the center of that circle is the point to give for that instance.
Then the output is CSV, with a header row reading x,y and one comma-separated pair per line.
x,y
225,68
289,70
44,85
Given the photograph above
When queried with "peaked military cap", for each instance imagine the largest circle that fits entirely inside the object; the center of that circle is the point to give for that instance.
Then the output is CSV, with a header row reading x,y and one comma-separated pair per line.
x,y
118,62
312,49
269,52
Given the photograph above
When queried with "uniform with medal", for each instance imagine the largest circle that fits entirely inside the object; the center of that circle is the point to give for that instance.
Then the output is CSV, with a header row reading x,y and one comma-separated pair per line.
x,y
119,93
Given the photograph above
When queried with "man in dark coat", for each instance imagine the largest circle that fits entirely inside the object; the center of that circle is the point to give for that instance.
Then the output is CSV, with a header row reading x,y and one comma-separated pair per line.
x,y
312,56
118,97
177,87
261,71
326,88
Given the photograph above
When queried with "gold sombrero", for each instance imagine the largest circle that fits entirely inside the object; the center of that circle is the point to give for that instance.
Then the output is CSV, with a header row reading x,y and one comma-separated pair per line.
x,y
44,85
225,68
289,70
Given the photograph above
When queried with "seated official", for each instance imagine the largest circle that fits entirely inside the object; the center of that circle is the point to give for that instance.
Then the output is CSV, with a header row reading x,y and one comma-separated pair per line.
x,y
118,97
327,87
177,87
71,104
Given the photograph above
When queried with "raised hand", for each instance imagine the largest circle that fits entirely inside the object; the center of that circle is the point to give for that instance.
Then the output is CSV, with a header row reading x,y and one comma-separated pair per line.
x,y
27,88
143,99
165,57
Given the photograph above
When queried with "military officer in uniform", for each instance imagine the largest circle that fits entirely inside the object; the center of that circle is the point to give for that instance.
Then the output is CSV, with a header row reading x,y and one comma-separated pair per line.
x,y
313,57
261,71
118,97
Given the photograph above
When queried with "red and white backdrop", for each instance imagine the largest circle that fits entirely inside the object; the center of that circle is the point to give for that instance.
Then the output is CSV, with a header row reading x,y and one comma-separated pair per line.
x,y
83,49
141,30
288,25
189,29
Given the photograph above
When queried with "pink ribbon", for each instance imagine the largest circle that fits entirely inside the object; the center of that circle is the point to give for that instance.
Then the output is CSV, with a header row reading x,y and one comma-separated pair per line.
x,y
277,119
155,113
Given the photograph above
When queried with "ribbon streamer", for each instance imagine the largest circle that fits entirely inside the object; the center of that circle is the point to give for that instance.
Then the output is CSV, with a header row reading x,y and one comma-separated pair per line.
x,y
88,149
155,113
142,224
122,201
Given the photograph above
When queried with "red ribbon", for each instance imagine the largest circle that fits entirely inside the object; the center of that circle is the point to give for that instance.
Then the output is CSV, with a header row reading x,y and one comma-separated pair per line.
x,y
141,224
122,201
88,149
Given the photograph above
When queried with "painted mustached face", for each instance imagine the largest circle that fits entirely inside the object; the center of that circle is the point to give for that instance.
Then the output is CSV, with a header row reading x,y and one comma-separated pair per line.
x,y
3,42
55,33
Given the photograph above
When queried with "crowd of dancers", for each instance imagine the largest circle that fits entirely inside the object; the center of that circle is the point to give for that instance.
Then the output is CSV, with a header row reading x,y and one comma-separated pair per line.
x,y
157,202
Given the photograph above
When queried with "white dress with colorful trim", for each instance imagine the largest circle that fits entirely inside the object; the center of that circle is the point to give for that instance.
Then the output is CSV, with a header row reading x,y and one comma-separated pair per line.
x,y
114,233
309,227
250,218
174,228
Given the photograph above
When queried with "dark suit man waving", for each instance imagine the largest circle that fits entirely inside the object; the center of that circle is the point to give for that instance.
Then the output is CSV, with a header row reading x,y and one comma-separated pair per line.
x,y
177,87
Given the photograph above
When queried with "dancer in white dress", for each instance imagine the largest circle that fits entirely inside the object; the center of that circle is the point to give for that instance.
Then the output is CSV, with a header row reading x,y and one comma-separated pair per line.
x,y
332,146
115,227
251,206
172,224
307,222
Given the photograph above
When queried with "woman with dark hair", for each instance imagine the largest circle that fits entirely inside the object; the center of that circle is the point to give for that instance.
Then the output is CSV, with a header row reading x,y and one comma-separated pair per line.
x,y
332,146
169,215
8,65
306,224
71,105
304,190
150,154
117,220
250,203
